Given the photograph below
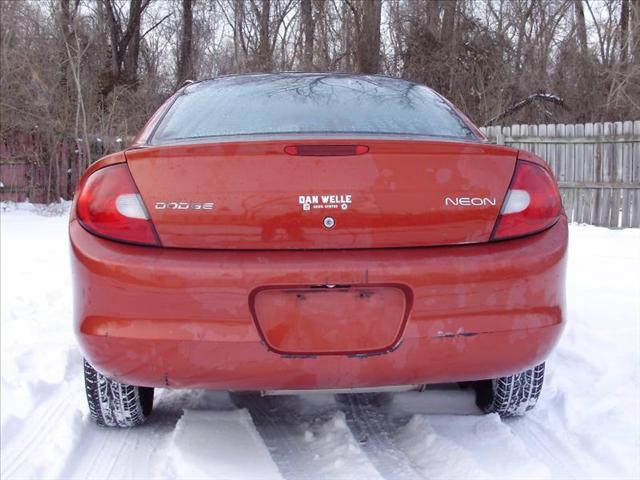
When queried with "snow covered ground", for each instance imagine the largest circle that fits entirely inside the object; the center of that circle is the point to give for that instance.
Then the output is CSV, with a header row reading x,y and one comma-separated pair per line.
x,y
586,425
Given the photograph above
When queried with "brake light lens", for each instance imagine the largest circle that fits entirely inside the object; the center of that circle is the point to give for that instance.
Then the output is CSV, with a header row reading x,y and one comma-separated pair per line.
x,y
531,205
325,150
109,205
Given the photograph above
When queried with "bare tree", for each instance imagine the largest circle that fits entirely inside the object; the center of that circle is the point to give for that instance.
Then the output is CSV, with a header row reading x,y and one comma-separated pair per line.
x,y
262,11
185,58
581,25
308,27
125,38
636,31
624,31
448,21
367,15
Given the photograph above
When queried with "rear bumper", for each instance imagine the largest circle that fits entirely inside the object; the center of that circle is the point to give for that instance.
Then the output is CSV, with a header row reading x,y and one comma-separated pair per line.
x,y
182,318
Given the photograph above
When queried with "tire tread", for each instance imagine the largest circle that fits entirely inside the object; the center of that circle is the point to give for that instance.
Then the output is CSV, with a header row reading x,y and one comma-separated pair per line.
x,y
513,395
114,404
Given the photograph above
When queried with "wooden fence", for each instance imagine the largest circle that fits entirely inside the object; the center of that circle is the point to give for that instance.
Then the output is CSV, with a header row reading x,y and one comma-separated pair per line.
x,y
42,172
597,166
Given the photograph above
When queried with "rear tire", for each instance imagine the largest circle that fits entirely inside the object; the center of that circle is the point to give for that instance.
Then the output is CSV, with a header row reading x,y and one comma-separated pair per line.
x,y
113,404
510,396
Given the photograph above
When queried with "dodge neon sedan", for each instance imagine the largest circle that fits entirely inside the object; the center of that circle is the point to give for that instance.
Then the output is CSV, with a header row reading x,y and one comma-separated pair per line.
x,y
291,232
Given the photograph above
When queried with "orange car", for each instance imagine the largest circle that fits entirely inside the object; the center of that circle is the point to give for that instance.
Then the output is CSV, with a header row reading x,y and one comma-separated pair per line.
x,y
315,231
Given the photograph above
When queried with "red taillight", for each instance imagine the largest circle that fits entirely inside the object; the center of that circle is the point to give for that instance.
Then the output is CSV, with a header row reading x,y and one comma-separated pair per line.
x,y
109,205
325,150
532,203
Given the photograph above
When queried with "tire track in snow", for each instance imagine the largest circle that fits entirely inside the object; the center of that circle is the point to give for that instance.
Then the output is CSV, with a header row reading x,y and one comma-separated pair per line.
x,y
405,444
275,428
373,426
36,433
102,452
190,434
307,436
545,444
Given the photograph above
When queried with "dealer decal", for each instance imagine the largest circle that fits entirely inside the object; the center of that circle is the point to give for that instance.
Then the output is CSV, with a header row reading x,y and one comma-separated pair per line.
x,y
321,202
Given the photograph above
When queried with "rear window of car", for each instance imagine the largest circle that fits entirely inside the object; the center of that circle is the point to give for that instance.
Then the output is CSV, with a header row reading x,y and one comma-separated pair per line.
x,y
308,104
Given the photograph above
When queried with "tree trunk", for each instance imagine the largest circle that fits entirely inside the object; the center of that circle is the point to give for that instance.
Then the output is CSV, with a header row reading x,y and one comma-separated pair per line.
x,y
433,16
130,63
308,28
65,28
185,58
346,36
624,32
130,45
65,105
323,36
448,22
264,40
522,37
369,37
581,27
124,49
636,31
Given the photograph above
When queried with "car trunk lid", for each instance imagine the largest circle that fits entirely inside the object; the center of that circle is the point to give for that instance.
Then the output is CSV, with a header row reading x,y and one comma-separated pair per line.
x,y
254,195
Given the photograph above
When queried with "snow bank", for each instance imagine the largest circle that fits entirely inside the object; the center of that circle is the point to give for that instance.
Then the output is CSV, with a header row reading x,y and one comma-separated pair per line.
x,y
221,445
446,447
